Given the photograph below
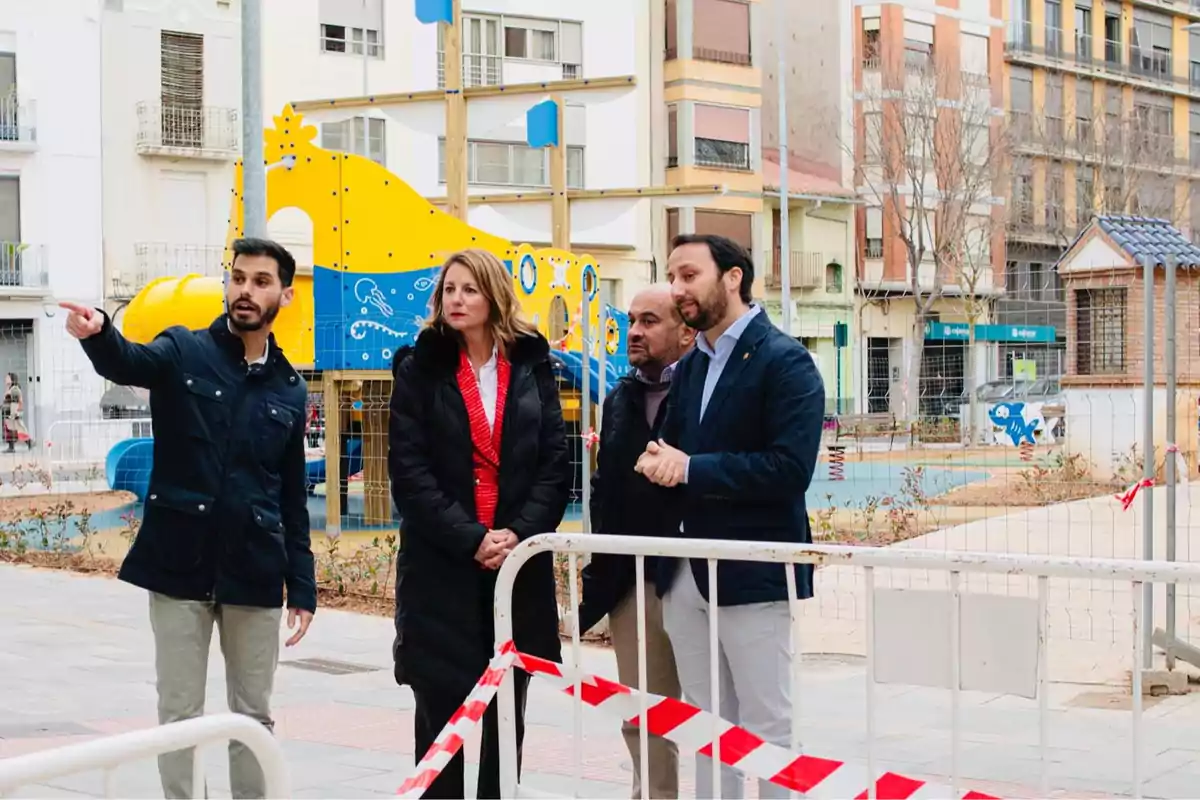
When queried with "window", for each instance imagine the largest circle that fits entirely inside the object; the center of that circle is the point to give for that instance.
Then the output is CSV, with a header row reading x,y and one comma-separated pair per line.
x,y
671,35
1022,193
1100,331
871,48
1083,32
1085,98
721,31
1054,109
975,59
1195,209
1150,44
535,40
10,123
874,244
918,45
1054,32
672,224
672,136
1112,38
182,76
349,26
722,137
1194,138
341,39
1020,32
347,137
1085,194
488,40
729,224
1154,126
513,164
1055,198
10,209
1021,91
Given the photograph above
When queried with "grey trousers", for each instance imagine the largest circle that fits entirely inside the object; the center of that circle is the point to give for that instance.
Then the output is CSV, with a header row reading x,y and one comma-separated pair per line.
x,y
250,644
754,673
661,678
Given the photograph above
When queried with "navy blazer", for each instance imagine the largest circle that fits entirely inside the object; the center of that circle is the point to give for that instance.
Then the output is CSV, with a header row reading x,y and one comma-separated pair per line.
x,y
752,458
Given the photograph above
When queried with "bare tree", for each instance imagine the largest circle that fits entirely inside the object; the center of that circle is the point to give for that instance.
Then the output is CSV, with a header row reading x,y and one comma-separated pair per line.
x,y
932,156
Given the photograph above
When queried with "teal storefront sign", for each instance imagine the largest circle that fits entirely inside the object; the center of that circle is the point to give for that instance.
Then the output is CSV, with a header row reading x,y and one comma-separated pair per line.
x,y
959,332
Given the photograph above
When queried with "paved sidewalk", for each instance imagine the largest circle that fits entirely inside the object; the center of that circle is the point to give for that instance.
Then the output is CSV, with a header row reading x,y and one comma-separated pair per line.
x,y
77,663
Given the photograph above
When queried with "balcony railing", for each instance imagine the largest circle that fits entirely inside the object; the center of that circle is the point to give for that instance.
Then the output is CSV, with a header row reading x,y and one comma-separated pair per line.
x,y
23,266
806,270
18,121
153,260
1054,41
203,131
1153,67
1083,47
720,154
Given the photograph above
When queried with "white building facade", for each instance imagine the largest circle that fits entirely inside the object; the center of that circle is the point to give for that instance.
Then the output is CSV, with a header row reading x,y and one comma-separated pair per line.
x,y
50,201
342,48
172,132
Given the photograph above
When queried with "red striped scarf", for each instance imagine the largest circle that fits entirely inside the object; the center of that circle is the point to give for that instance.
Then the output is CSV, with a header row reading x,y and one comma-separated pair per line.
x,y
486,450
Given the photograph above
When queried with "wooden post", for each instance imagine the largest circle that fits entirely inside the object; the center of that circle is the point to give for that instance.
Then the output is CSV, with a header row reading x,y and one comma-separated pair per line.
x,y
377,503
560,205
332,391
456,116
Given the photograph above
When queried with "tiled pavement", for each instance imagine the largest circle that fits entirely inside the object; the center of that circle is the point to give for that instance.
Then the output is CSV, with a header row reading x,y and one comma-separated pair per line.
x,y
76,662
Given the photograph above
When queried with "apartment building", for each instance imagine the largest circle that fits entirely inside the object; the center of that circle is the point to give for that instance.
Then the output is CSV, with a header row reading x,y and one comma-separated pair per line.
x,y
50,219
171,135
690,117
349,48
1104,104
927,88
818,53
712,88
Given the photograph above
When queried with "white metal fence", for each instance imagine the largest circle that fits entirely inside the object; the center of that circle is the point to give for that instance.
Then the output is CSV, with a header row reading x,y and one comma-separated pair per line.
x,y
110,752
956,635
81,446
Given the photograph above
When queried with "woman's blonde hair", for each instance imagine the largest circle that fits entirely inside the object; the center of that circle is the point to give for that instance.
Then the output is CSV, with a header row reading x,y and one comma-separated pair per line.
x,y
496,284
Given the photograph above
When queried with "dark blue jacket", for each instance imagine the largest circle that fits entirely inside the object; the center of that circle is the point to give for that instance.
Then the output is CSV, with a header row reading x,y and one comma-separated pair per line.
x,y
226,516
623,502
752,457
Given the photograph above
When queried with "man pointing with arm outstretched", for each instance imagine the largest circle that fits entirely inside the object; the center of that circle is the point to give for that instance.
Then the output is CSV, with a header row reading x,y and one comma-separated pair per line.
x,y
226,526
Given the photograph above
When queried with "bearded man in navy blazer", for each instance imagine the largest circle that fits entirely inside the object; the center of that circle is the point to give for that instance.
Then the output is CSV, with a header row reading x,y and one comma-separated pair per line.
x,y
740,440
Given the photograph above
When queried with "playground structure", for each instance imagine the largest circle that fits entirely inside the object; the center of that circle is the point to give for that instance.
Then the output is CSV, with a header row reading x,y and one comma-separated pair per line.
x,y
377,249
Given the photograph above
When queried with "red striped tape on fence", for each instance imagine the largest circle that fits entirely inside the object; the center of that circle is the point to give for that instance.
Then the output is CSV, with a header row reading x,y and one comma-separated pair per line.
x,y
682,723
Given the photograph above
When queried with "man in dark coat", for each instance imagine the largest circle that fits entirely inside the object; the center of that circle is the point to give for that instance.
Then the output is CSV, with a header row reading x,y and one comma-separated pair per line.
x,y
741,437
444,599
626,504
226,523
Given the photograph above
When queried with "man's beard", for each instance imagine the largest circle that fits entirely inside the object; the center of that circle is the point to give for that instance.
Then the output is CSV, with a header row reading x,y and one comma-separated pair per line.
x,y
709,310
266,317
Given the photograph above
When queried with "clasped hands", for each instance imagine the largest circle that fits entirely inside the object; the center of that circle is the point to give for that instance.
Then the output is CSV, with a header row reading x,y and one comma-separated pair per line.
x,y
662,464
495,547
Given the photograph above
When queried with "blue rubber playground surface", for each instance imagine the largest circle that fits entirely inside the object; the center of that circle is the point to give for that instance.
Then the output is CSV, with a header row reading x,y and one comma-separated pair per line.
x,y
862,481
873,479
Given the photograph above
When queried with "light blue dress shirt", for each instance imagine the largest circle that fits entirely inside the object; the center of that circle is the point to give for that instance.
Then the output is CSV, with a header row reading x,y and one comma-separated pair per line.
x,y
718,357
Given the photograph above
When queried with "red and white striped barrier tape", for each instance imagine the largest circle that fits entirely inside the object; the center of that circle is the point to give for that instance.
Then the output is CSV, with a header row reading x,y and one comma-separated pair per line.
x,y
464,720
1129,495
684,724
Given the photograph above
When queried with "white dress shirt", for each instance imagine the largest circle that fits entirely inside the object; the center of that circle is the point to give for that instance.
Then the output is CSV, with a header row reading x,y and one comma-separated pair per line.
x,y
718,357
487,379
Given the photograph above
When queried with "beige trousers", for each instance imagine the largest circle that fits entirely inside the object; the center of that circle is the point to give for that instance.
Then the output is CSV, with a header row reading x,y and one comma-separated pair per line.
x,y
250,644
661,679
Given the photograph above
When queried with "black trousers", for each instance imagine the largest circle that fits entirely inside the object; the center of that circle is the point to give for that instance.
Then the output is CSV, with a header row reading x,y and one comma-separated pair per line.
x,y
434,710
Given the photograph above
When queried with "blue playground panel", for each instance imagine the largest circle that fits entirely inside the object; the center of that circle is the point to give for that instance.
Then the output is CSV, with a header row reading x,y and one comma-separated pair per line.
x,y
127,466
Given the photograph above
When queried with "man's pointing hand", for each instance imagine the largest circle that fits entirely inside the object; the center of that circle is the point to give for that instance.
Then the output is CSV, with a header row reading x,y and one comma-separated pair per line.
x,y
83,321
